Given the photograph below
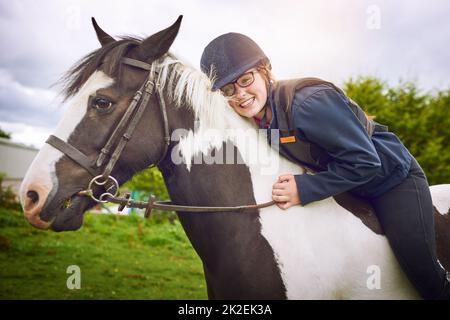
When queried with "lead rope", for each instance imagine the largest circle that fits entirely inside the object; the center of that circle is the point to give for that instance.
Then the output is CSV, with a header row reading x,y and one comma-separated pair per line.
x,y
152,204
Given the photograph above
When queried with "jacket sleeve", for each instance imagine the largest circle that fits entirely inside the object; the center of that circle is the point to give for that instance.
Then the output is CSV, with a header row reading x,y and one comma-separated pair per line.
x,y
326,119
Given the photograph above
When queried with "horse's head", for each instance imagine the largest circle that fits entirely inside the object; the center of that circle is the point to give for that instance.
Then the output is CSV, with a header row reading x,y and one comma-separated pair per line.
x,y
102,86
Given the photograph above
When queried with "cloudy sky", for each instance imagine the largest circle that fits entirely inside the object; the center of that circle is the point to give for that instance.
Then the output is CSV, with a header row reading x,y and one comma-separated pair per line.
x,y
331,39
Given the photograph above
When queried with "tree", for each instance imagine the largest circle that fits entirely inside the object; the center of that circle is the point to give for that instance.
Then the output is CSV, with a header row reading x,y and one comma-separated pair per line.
x,y
420,120
149,181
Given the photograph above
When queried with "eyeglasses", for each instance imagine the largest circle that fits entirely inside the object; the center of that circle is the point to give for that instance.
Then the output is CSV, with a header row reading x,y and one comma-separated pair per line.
x,y
243,81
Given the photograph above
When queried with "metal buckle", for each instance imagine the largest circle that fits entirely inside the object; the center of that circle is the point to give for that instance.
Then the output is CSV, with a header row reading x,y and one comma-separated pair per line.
x,y
149,86
102,183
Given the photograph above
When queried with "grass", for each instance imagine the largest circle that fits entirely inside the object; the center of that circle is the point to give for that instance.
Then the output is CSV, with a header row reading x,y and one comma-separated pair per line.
x,y
120,257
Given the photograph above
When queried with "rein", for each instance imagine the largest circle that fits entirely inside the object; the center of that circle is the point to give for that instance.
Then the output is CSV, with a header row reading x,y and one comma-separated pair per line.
x,y
152,204
127,125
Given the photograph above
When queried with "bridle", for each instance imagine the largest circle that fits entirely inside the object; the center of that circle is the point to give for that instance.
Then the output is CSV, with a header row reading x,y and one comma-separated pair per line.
x,y
120,137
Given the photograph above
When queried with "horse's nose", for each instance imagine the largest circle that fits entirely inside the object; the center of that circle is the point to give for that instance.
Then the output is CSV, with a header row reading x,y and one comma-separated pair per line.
x,y
33,199
33,195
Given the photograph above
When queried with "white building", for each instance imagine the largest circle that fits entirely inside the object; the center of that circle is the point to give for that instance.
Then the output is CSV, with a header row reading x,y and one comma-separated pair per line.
x,y
15,158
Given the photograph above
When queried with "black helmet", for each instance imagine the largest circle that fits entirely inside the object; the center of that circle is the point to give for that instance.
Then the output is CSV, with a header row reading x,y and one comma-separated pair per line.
x,y
230,55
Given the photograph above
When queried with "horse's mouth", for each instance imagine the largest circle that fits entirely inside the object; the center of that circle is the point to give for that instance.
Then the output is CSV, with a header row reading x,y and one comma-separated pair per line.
x,y
67,204
68,214
50,223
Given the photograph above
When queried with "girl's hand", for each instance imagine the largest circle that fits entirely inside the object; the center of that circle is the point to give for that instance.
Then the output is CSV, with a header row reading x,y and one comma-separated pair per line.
x,y
284,192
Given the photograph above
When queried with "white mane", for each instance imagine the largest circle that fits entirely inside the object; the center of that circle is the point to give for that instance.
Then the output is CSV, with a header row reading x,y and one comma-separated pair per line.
x,y
190,88
216,121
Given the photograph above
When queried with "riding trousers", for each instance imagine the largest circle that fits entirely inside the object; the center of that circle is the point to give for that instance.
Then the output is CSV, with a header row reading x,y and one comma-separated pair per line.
x,y
406,214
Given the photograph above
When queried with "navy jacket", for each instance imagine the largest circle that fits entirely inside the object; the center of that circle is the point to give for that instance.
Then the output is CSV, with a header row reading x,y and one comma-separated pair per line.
x,y
366,166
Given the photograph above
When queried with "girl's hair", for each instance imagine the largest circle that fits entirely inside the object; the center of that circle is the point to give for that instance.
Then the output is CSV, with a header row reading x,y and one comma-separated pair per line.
x,y
265,69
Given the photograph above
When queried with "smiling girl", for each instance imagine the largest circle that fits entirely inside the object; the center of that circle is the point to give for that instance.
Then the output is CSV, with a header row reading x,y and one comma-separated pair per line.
x,y
321,128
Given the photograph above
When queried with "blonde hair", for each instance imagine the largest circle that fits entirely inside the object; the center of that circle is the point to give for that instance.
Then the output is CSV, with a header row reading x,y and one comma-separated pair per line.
x,y
265,68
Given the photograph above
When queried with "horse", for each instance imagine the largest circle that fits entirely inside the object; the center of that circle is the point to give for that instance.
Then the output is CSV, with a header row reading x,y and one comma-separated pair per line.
x,y
317,251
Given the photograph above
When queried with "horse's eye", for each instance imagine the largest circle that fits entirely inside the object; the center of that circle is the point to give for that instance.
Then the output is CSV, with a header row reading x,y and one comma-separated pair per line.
x,y
102,104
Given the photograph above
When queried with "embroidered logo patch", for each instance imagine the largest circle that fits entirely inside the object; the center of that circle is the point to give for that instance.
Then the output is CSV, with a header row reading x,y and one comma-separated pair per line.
x,y
287,139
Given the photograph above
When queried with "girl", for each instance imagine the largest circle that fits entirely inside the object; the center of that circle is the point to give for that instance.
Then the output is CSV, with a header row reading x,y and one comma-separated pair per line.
x,y
349,152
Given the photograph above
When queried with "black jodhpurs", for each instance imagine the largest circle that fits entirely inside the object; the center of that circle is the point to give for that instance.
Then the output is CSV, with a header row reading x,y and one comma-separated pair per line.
x,y
406,215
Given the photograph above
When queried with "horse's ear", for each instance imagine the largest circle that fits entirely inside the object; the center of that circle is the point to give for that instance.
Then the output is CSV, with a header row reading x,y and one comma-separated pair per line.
x,y
102,36
158,44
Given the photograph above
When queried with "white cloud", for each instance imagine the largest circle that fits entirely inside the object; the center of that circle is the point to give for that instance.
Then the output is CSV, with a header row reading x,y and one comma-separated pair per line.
x,y
29,135
8,83
30,105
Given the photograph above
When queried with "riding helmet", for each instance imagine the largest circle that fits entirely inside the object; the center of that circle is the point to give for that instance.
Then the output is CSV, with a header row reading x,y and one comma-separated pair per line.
x,y
228,56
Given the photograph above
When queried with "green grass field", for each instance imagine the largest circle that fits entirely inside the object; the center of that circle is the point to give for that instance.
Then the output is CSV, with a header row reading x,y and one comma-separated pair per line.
x,y
120,257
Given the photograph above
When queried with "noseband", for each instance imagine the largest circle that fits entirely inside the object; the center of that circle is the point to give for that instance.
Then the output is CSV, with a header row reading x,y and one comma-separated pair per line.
x,y
120,137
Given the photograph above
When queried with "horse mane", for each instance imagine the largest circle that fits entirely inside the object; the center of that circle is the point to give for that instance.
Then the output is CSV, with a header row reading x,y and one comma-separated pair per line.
x,y
191,88
216,121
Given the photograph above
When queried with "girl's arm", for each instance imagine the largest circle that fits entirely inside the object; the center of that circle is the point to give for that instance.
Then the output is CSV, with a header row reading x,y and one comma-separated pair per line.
x,y
326,119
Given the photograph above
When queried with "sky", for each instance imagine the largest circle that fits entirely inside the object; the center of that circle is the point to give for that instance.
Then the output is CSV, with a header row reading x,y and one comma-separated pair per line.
x,y
330,39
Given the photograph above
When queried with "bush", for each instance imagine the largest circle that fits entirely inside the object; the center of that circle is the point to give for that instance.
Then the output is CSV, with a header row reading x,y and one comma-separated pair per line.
x,y
420,120
147,182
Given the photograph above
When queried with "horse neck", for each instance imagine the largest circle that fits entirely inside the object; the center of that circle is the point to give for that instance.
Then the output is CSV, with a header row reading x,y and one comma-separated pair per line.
x,y
209,185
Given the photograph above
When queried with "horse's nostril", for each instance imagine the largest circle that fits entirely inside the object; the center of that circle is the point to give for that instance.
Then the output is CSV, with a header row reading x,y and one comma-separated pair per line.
x,y
33,195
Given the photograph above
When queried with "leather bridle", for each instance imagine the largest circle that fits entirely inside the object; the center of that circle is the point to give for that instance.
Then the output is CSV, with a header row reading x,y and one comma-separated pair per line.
x,y
121,135
119,138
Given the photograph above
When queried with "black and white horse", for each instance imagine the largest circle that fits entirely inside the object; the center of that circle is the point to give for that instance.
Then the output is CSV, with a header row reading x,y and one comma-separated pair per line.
x,y
319,251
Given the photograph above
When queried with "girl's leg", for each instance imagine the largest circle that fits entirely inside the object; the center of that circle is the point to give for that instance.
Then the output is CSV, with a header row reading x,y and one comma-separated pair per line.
x,y
406,215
